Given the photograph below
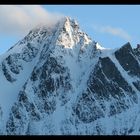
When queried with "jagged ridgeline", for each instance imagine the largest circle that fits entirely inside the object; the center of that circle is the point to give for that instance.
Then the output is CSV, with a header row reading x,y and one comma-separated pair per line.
x,y
57,80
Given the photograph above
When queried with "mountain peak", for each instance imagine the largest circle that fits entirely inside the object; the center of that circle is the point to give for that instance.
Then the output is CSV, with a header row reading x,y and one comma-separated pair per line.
x,y
57,81
65,32
46,25
65,22
70,20
127,46
69,23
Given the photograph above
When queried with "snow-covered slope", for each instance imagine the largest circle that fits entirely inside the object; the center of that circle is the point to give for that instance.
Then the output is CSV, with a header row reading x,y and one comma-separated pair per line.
x,y
58,81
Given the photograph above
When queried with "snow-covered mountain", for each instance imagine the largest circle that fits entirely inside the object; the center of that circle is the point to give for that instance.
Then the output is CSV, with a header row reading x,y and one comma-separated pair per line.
x,y
57,81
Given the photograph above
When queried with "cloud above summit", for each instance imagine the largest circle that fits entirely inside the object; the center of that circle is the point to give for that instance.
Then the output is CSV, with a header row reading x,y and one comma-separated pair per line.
x,y
19,19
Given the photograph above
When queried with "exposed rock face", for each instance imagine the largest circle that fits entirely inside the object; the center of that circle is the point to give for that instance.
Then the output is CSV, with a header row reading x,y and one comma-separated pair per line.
x,y
65,83
126,58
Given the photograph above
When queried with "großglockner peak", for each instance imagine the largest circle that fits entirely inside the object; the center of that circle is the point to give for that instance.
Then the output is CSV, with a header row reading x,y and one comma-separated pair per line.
x,y
57,81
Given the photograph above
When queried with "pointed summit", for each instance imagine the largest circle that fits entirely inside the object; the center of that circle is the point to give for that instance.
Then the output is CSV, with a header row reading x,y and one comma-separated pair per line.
x,y
71,22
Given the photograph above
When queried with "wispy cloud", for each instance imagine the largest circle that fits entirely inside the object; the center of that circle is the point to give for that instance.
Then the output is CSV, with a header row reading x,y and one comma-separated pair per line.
x,y
19,19
115,31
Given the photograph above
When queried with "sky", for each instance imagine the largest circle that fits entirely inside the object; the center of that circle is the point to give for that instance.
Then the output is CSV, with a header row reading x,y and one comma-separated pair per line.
x,y
109,25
